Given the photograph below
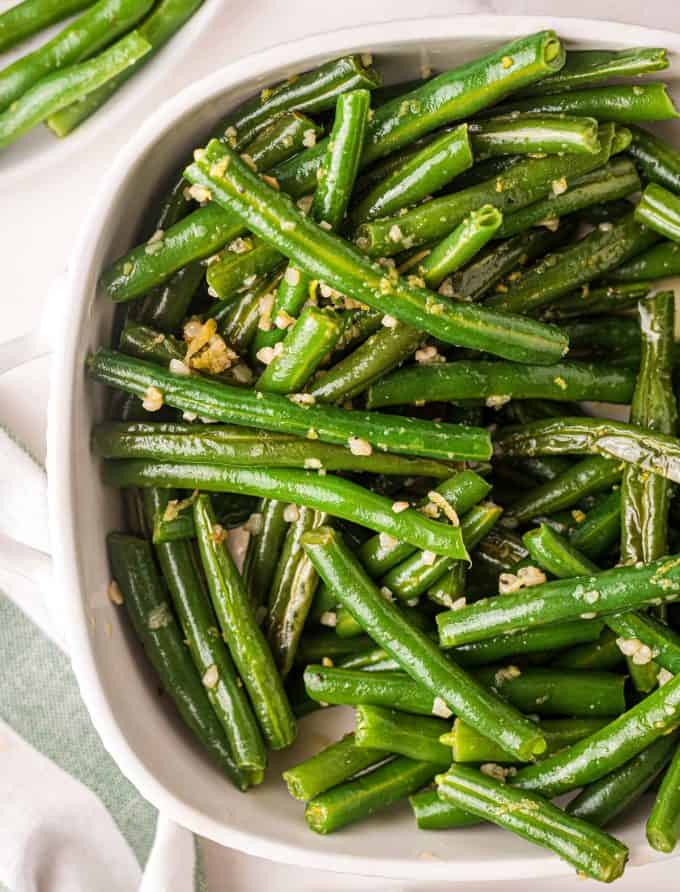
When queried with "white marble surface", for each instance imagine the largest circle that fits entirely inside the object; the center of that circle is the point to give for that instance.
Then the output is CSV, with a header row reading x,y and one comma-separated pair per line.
x,y
38,221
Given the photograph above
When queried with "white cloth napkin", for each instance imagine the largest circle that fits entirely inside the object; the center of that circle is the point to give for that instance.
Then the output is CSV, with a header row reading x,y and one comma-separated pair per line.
x,y
70,820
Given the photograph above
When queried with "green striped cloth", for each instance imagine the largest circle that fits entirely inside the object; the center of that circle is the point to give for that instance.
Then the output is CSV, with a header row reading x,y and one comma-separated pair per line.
x,y
70,820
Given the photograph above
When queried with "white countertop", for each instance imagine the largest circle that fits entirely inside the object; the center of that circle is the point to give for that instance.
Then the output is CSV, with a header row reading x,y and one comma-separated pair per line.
x,y
41,215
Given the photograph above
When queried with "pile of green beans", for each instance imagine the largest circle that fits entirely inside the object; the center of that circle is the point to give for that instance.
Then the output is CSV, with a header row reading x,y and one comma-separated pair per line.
x,y
397,357
69,77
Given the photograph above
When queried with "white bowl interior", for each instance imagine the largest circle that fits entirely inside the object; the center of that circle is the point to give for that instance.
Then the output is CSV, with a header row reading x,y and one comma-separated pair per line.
x,y
136,723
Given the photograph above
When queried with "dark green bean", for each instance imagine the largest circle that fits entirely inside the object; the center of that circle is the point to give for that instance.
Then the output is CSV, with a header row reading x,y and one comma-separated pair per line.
x,y
528,641
656,263
276,412
414,651
593,256
657,160
593,852
598,301
240,630
651,451
421,173
659,209
625,104
523,183
615,180
601,527
602,655
664,819
323,255
622,588
602,801
264,548
157,630
501,381
584,68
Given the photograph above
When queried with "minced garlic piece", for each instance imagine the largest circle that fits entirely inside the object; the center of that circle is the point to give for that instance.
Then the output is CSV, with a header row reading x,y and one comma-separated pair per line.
x,y
389,321
284,320
211,677
358,446
395,234
450,512
291,513
329,618
219,534
387,541
200,193
398,507
428,557
440,708
177,367
153,399
309,138
529,576
559,186
498,400
159,617
312,464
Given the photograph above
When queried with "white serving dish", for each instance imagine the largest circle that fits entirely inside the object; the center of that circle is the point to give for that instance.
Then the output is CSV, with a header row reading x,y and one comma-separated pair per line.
x,y
137,727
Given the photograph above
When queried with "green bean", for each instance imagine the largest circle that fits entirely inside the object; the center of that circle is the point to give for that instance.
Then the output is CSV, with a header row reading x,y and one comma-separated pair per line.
x,y
432,813
592,475
239,264
451,96
217,444
528,641
584,68
322,255
657,160
550,134
550,691
421,173
378,355
601,527
601,250
602,655
55,90
503,258
313,91
553,553
331,766
165,20
492,381
178,522
544,467
91,32
340,166
664,819
602,801
406,735
292,592
195,237
336,496
30,16
622,588
462,491
645,497
447,590
659,209
651,451
543,691
597,302
167,305
307,344
157,630
660,639
146,342
358,799
656,263
294,289
470,746
615,180
222,402
625,104
286,135
199,626
264,548
240,630
414,651
593,852
608,749
326,644
414,575
521,184
461,245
